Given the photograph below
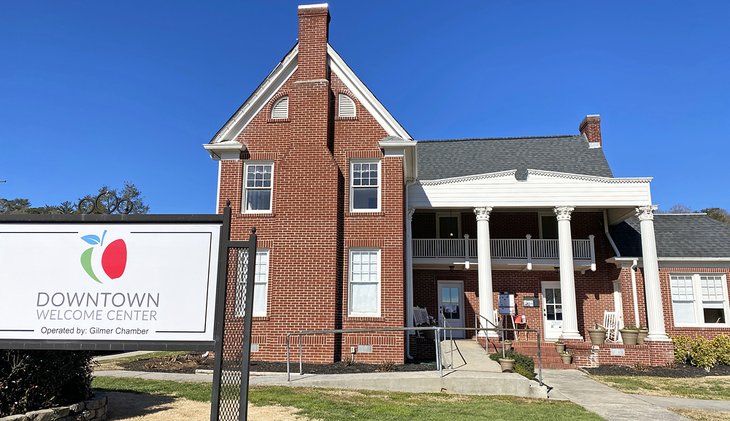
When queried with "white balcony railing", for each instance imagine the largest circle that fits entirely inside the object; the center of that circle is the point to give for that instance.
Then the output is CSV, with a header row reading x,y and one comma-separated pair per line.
x,y
526,249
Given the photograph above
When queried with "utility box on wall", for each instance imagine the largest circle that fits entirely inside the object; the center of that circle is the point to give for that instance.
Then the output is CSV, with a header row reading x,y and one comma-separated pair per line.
x,y
530,302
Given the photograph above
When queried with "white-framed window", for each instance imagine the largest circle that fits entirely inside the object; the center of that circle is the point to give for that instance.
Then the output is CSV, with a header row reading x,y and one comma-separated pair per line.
x,y
261,283
280,109
364,283
258,183
699,299
365,185
345,106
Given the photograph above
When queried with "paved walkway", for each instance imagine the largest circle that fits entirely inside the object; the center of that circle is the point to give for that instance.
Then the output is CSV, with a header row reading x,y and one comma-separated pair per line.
x,y
686,403
605,401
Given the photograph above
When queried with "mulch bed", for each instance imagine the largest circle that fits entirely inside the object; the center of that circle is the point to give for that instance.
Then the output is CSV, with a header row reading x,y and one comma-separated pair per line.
x,y
188,363
677,371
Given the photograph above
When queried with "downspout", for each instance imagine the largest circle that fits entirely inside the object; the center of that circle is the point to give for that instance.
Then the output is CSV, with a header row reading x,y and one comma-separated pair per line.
x,y
608,235
634,265
409,271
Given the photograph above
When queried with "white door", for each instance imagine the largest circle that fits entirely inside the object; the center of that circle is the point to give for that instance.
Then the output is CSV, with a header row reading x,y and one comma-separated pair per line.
x,y
451,305
552,310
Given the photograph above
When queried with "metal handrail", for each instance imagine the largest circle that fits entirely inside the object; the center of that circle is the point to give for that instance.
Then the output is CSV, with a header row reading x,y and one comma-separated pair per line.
x,y
451,339
437,333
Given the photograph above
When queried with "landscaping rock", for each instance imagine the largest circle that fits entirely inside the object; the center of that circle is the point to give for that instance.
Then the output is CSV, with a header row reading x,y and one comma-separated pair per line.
x,y
42,415
15,418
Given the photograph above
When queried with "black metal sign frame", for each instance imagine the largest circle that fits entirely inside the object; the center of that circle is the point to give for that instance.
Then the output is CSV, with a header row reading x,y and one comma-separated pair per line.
x,y
225,244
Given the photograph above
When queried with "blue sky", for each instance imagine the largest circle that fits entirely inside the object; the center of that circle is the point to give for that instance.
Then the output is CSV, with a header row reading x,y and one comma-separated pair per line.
x,y
96,93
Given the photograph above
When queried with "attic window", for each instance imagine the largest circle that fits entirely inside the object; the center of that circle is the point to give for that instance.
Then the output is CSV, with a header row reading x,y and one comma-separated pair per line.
x,y
280,109
346,106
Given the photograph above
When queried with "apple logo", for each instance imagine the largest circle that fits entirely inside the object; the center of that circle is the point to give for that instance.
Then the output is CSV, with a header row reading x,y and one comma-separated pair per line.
x,y
113,258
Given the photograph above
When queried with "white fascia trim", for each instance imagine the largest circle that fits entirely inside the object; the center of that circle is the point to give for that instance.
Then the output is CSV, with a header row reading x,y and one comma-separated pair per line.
x,y
363,94
584,177
452,180
689,261
271,85
554,174
224,150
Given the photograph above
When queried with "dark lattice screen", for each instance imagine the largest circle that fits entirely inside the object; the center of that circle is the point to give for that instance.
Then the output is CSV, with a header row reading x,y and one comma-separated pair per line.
x,y
233,330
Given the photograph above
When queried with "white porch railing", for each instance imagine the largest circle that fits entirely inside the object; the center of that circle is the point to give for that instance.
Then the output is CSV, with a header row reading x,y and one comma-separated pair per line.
x,y
527,249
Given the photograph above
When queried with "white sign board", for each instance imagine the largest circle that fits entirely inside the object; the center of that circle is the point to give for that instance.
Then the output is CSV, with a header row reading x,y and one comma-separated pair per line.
x,y
108,282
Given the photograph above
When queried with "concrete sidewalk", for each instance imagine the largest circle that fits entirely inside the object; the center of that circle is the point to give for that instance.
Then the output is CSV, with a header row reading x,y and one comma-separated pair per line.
x,y
605,401
686,403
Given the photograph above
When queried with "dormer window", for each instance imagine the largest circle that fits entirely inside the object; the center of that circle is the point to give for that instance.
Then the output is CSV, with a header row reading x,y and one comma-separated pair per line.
x,y
280,109
346,106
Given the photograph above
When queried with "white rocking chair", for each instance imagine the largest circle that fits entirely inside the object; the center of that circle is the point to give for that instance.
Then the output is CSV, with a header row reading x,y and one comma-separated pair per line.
x,y
610,322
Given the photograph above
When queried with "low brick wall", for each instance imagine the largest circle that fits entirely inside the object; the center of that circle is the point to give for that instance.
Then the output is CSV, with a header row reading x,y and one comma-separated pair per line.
x,y
649,354
91,410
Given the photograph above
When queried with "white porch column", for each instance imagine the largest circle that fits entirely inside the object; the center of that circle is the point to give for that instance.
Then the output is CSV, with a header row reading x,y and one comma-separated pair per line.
x,y
484,258
652,290
409,268
567,280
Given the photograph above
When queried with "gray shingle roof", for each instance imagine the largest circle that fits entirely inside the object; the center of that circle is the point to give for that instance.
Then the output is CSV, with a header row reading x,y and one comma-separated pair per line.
x,y
455,158
685,235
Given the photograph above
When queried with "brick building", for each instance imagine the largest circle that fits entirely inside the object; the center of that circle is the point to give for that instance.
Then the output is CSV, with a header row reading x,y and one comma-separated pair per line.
x,y
359,223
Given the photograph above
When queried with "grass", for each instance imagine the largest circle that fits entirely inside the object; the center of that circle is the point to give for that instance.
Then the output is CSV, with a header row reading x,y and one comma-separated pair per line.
x,y
114,364
702,415
716,388
332,405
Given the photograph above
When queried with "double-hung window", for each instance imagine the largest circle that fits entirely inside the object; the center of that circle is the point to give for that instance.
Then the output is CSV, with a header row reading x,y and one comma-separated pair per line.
x,y
364,280
261,283
699,299
365,186
257,187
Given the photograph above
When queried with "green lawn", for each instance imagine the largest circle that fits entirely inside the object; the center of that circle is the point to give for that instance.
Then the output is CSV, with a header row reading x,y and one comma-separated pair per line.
x,y
717,388
333,405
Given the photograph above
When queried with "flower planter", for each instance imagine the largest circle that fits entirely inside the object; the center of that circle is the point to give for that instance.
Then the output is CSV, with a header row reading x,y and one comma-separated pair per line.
x,y
643,332
560,347
598,336
567,358
630,336
507,364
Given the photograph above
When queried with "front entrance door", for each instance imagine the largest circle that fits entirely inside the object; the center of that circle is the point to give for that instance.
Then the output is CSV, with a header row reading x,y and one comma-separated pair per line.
x,y
552,310
451,304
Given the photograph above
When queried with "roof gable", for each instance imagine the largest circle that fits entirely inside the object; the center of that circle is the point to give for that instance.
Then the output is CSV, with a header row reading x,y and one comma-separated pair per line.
x,y
278,77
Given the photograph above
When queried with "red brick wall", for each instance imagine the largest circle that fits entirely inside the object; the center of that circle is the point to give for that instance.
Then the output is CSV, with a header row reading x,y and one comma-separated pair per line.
x,y
310,230
705,332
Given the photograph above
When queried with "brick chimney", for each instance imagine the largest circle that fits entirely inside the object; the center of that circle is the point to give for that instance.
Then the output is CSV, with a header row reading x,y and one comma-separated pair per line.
x,y
314,22
590,127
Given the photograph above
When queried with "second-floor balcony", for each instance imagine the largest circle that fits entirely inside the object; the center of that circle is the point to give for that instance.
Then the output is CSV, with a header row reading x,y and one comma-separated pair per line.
x,y
511,251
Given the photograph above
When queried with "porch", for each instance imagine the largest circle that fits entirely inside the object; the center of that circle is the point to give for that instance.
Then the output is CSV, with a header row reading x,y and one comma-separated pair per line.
x,y
528,253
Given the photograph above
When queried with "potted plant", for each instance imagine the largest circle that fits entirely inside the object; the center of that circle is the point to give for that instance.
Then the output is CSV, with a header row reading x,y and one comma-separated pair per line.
x,y
597,334
630,334
507,345
560,347
643,332
566,357
507,364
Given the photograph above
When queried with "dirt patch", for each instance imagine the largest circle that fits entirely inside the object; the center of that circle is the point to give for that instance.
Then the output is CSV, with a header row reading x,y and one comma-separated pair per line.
x,y
134,407
677,371
188,363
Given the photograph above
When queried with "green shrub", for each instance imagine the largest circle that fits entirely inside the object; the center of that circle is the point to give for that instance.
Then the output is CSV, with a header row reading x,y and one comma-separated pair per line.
x,y
721,345
524,365
682,345
702,354
31,380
